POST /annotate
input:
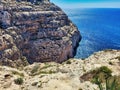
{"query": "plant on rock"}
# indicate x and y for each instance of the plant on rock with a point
(19, 81)
(103, 78)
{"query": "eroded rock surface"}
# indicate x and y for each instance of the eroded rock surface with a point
(10, 54)
(41, 32)
(65, 76)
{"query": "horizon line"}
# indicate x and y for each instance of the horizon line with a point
(89, 5)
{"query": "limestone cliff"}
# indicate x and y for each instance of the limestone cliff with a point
(41, 32)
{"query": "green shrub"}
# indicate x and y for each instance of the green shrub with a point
(102, 77)
(19, 81)
(105, 70)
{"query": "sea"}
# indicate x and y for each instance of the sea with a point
(99, 28)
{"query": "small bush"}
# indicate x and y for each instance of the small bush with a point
(105, 70)
(19, 81)
(68, 62)
(102, 77)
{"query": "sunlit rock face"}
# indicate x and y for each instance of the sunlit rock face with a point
(41, 32)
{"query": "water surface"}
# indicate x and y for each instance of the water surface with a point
(100, 29)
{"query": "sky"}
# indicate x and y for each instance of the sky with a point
(87, 3)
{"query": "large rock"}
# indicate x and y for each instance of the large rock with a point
(40, 32)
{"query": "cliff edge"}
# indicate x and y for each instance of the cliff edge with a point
(39, 31)
(70, 75)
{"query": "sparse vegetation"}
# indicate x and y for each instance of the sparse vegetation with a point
(103, 78)
(47, 72)
(35, 69)
(17, 73)
(46, 66)
(19, 81)
(24, 60)
(111, 83)
(84, 69)
(68, 62)
(105, 70)
(107, 50)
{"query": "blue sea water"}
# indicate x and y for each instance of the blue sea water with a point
(99, 27)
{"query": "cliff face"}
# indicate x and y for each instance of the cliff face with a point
(39, 32)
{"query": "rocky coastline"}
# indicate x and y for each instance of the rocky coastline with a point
(37, 45)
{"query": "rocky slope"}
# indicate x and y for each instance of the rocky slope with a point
(41, 32)
(54, 76)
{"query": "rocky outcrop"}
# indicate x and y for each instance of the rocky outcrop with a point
(41, 32)
(54, 76)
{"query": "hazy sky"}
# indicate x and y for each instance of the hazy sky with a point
(87, 3)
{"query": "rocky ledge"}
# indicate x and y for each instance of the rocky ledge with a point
(65, 76)
(38, 32)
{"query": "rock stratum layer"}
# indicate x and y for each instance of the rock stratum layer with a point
(41, 32)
